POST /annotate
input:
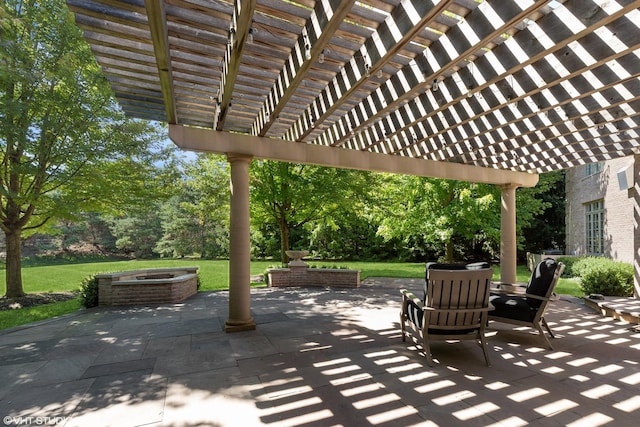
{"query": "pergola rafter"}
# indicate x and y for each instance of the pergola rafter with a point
(513, 107)
(238, 34)
(543, 75)
(402, 24)
(159, 36)
(543, 106)
(440, 125)
(423, 72)
(318, 30)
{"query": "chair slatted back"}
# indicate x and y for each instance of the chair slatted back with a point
(456, 296)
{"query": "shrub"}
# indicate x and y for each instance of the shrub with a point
(265, 277)
(569, 262)
(332, 267)
(604, 276)
(585, 264)
(89, 291)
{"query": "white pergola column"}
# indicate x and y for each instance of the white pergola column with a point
(508, 261)
(636, 225)
(239, 247)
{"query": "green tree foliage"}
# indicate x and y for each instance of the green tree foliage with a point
(351, 235)
(64, 146)
(456, 219)
(138, 232)
(294, 196)
(196, 219)
(431, 215)
(543, 224)
(87, 230)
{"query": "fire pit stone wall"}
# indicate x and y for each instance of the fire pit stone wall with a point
(148, 286)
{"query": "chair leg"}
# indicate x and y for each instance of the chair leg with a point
(402, 325)
(427, 349)
(546, 325)
(544, 337)
(484, 345)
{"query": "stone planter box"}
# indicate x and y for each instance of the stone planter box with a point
(304, 276)
(148, 286)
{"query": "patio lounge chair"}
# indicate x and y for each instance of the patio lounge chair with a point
(527, 309)
(455, 308)
(429, 266)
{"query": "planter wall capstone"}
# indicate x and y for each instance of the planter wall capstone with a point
(149, 286)
(304, 276)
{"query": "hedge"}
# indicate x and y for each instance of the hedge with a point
(599, 275)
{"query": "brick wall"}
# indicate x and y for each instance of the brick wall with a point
(617, 204)
(303, 276)
(125, 288)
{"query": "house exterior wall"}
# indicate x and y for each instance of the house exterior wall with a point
(618, 229)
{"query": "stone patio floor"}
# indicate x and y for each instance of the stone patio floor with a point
(319, 357)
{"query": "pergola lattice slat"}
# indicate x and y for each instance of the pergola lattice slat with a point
(543, 76)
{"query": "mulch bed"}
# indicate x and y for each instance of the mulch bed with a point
(32, 300)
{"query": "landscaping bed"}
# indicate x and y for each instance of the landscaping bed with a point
(35, 299)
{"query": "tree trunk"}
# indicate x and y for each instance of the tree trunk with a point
(284, 241)
(449, 251)
(14, 264)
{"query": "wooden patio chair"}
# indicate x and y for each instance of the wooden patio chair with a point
(528, 308)
(455, 308)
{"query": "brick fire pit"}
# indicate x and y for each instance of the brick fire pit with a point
(148, 286)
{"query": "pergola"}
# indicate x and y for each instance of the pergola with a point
(484, 91)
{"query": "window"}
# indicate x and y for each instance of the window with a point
(593, 168)
(595, 233)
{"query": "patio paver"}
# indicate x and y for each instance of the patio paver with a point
(318, 357)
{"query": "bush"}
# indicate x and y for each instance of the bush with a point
(569, 262)
(265, 277)
(582, 265)
(89, 292)
(604, 276)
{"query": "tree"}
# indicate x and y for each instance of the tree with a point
(351, 234)
(543, 227)
(64, 146)
(291, 195)
(196, 219)
(455, 218)
(137, 234)
(437, 212)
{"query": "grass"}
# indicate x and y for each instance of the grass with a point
(22, 316)
(214, 275)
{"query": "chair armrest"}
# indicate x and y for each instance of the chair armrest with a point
(406, 295)
(458, 310)
(553, 297)
(505, 288)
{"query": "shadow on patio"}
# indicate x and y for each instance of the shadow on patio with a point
(319, 357)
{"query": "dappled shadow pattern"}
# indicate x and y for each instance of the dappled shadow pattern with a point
(318, 357)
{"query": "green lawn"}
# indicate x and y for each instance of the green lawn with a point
(213, 276)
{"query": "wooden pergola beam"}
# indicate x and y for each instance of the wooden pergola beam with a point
(409, 23)
(210, 141)
(238, 34)
(160, 37)
(319, 29)
(421, 71)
